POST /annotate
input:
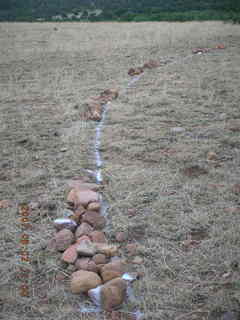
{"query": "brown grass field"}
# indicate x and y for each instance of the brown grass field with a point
(47, 71)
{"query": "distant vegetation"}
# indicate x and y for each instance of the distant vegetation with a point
(119, 10)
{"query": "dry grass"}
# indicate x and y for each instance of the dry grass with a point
(45, 75)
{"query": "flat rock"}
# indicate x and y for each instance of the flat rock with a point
(98, 236)
(113, 294)
(70, 254)
(82, 197)
(108, 250)
(86, 248)
(83, 229)
(82, 281)
(94, 219)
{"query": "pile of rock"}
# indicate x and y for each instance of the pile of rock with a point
(97, 268)
(151, 64)
(94, 106)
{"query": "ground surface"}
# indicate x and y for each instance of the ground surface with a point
(46, 73)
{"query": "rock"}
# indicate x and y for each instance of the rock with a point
(86, 248)
(52, 245)
(4, 204)
(135, 71)
(82, 281)
(64, 239)
(94, 206)
(112, 270)
(236, 188)
(112, 93)
(211, 156)
(108, 250)
(60, 276)
(113, 294)
(121, 236)
(99, 258)
(65, 223)
(137, 260)
(234, 210)
(83, 197)
(83, 185)
(151, 64)
(83, 229)
(98, 236)
(70, 254)
(94, 219)
(83, 238)
(86, 264)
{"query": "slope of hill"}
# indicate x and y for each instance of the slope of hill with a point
(126, 10)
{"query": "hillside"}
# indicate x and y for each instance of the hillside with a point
(126, 10)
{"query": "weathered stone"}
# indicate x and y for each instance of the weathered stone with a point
(98, 236)
(83, 229)
(99, 258)
(211, 156)
(108, 250)
(64, 239)
(83, 197)
(86, 264)
(113, 294)
(86, 248)
(137, 260)
(70, 254)
(94, 219)
(94, 206)
(83, 238)
(82, 281)
(112, 270)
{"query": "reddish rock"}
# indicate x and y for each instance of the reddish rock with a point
(64, 239)
(132, 212)
(113, 294)
(112, 270)
(60, 276)
(94, 219)
(82, 281)
(77, 197)
(70, 254)
(99, 258)
(94, 206)
(83, 229)
(131, 249)
(121, 236)
(98, 236)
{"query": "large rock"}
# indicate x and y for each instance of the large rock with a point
(83, 197)
(70, 254)
(98, 236)
(113, 294)
(94, 219)
(112, 270)
(86, 264)
(64, 239)
(99, 258)
(86, 248)
(82, 281)
(83, 229)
